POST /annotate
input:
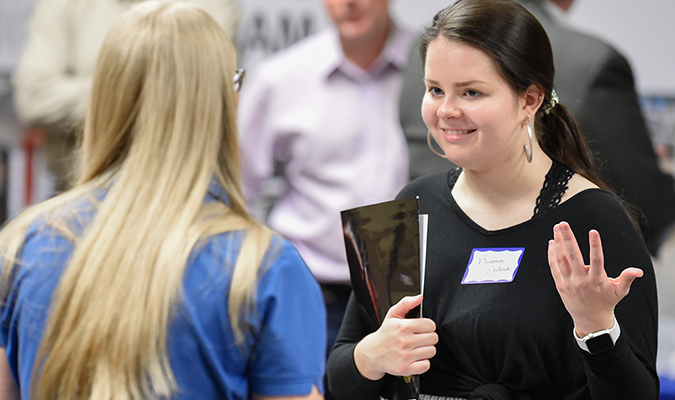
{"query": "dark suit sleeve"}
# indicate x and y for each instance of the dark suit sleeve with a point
(612, 121)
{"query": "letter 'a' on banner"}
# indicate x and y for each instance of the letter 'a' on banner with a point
(382, 242)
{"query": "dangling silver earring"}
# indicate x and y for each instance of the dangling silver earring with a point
(432, 147)
(528, 149)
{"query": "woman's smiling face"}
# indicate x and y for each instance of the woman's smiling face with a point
(470, 109)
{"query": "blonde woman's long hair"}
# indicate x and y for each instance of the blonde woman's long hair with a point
(161, 125)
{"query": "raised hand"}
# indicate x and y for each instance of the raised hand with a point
(588, 293)
(400, 346)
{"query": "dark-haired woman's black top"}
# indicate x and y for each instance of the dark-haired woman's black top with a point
(514, 340)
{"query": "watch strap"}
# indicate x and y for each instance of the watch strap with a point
(596, 342)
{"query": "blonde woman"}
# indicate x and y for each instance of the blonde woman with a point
(149, 279)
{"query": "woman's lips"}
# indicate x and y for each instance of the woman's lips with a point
(458, 131)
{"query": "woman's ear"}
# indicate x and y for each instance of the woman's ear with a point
(533, 97)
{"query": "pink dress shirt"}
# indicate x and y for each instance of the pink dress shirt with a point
(336, 128)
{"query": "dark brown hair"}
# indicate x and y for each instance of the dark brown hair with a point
(521, 51)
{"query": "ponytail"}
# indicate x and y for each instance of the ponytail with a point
(561, 139)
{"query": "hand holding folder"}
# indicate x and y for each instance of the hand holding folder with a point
(400, 347)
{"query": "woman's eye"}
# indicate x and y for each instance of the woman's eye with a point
(472, 93)
(435, 91)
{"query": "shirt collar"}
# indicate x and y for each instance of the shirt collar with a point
(394, 53)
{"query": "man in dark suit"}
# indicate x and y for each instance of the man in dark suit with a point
(596, 82)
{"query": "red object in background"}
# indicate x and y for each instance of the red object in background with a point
(32, 138)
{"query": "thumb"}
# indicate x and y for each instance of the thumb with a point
(626, 278)
(400, 309)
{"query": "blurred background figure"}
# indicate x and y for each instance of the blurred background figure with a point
(322, 115)
(148, 279)
(53, 77)
(563, 5)
(596, 82)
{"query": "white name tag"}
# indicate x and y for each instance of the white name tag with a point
(493, 265)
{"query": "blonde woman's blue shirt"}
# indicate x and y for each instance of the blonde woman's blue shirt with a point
(283, 355)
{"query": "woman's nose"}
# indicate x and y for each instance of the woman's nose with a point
(448, 109)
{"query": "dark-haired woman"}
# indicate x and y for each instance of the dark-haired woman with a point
(515, 307)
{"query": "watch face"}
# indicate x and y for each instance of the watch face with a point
(599, 343)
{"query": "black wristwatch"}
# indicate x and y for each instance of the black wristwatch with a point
(597, 342)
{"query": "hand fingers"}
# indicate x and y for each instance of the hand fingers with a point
(421, 325)
(406, 330)
(560, 252)
(408, 341)
(424, 352)
(596, 256)
(552, 262)
(572, 256)
(419, 367)
(400, 309)
(424, 340)
(418, 362)
(415, 368)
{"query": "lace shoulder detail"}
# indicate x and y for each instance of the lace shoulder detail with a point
(555, 186)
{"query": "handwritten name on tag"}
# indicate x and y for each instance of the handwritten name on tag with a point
(493, 265)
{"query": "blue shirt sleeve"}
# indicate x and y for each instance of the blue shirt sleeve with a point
(289, 355)
(24, 312)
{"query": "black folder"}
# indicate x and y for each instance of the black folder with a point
(382, 242)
